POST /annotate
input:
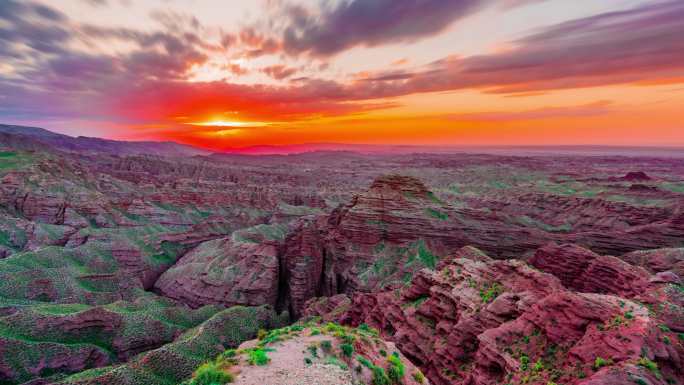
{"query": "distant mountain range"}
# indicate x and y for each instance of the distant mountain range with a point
(34, 138)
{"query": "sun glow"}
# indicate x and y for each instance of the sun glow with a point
(228, 123)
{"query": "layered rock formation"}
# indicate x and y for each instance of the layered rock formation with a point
(658, 261)
(382, 237)
(224, 272)
(398, 226)
(582, 270)
(481, 321)
(175, 362)
(43, 340)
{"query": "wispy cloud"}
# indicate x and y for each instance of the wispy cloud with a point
(600, 107)
(47, 73)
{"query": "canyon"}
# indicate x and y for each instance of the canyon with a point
(138, 266)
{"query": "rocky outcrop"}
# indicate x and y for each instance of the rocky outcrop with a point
(303, 266)
(660, 234)
(636, 176)
(565, 261)
(582, 270)
(322, 354)
(223, 272)
(485, 322)
(328, 308)
(568, 336)
(658, 260)
(382, 237)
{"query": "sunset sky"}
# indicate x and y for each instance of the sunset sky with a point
(226, 73)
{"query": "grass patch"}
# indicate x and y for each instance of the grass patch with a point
(437, 214)
(600, 362)
(425, 256)
(347, 349)
(489, 292)
(211, 373)
(396, 369)
(650, 365)
(62, 309)
(258, 357)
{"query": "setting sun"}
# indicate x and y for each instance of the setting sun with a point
(225, 123)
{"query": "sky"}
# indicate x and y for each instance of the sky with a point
(224, 74)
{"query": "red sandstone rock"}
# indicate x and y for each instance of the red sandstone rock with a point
(636, 176)
(396, 219)
(461, 328)
(223, 272)
(582, 270)
(659, 260)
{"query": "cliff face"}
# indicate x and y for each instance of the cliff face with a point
(381, 238)
(475, 320)
(223, 272)
(384, 235)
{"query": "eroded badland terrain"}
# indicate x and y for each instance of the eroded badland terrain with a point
(154, 264)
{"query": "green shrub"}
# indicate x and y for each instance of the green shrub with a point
(261, 334)
(437, 214)
(369, 330)
(379, 376)
(211, 373)
(326, 346)
(365, 362)
(600, 362)
(490, 291)
(313, 349)
(396, 369)
(258, 357)
(348, 339)
(650, 365)
(347, 349)
(332, 327)
(419, 377)
(334, 361)
(383, 353)
(307, 361)
(315, 331)
(524, 362)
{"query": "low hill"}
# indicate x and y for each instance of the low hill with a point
(34, 138)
